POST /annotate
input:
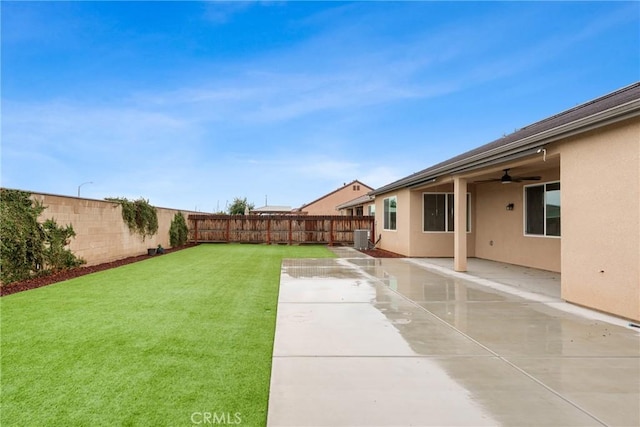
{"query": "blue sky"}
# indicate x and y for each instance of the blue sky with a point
(192, 104)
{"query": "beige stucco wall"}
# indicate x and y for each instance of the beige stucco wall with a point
(500, 233)
(394, 240)
(600, 174)
(101, 234)
(327, 205)
(435, 244)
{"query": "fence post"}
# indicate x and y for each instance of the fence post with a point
(228, 229)
(290, 231)
(331, 232)
(195, 231)
(268, 231)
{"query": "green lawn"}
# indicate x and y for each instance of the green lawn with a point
(152, 343)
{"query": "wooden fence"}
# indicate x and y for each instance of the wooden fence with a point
(277, 229)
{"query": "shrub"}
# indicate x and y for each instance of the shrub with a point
(28, 248)
(239, 206)
(21, 237)
(178, 231)
(56, 256)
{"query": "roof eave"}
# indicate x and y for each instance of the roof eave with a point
(355, 202)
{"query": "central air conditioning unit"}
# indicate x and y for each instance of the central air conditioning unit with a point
(361, 239)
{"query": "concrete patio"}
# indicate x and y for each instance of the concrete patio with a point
(408, 342)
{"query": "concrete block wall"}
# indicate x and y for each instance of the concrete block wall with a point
(101, 234)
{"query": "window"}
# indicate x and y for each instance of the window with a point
(390, 207)
(438, 211)
(542, 209)
(372, 210)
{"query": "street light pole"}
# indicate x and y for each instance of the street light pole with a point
(88, 182)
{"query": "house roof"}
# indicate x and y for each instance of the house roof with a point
(355, 181)
(615, 106)
(272, 209)
(356, 202)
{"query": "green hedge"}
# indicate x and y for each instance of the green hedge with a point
(27, 247)
(178, 231)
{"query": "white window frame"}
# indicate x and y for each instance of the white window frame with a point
(384, 213)
(544, 223)
(446, 217)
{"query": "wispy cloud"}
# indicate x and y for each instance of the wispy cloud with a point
(295, 118)
(426, 65)
(220, 12)
(76, 128)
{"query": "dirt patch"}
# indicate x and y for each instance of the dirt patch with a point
(38, 282)
(380, 253)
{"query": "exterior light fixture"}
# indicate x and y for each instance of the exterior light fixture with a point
(544, 153)
(510, 207)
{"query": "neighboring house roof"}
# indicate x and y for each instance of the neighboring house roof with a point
(271, 209)
(355, 181)
(619, 105)
(358, 201)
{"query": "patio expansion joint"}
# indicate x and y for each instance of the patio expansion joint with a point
(488, 302)
(577, 356)
(373, 356)
(325, 302)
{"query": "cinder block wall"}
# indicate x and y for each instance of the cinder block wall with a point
(101, 234)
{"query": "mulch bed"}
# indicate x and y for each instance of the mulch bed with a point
(60, 276)
(380, 253)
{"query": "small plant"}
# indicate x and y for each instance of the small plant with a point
(139, 215)
(178, 231)
(56, 256)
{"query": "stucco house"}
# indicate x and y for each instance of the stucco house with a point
(562, 194)
(326, 205)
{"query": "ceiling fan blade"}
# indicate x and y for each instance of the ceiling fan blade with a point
(506, 178)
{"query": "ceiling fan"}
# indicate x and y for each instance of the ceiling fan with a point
(508, 179)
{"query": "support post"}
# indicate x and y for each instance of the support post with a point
(460, 224)
(373, 230)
